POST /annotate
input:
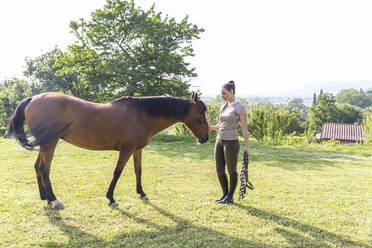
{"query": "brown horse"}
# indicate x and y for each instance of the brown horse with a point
(126, 125)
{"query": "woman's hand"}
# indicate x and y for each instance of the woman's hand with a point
(210, 126)
(213, 127)
(246, 149)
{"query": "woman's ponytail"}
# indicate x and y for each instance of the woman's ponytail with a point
(230, 86)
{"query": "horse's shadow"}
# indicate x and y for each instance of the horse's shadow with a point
(184, 233)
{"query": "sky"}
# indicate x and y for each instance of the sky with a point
(267, 47)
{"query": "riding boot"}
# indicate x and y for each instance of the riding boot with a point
(229, 199)
(224, 194)
(223, 182)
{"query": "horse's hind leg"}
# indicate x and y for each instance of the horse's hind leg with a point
(137, 160)
(40, 179)
(46, 157)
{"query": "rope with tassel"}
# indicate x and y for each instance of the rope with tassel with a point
(244, 182)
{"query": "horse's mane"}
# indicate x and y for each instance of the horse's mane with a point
(159, 106)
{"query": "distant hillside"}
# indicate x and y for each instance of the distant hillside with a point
(304, 92)
(330, 87)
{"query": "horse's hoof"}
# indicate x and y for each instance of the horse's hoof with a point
(114, 205)
(56, 204)
(144, 197)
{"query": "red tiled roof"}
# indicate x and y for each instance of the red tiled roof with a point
(340, 131)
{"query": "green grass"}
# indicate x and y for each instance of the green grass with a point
(305, 196)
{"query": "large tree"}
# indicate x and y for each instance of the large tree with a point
(42, 70)
(324, 111)
(354, 97)
(298, 104)
(124, 50)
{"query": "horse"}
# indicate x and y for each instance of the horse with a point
(125, 125)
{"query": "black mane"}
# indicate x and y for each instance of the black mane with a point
(159, 106)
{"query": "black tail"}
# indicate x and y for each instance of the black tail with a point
(16, 125)
(43, 134)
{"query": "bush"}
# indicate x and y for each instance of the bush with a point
(268, 121)
(180, 129)
(292, 139)
(367, 124)
(12, 92)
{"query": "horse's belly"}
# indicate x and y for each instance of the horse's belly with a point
(91, 143)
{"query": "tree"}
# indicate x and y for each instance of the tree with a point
(12, 92)
(42, 70)
(314, 99)
(268, 121)
(367, 123)
(349, 114)
(324, 111)
(354, 97)
(297, 103)
(124, 50)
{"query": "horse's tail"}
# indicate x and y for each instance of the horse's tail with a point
(16, 125)
(43, 134)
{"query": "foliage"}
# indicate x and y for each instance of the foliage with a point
(298, 104)
(314, 99)
(349, 114)
(12, 92)
(269, 121)
(327, 110)
(257, 120)
(124, 50)
(324, 111)
(180, 129)
(42, 70)
(367, 125)
(354, 97)
(212, 116)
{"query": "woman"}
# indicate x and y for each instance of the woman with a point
(227, 144)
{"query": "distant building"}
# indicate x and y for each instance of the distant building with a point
(369, 90)
(346, 133)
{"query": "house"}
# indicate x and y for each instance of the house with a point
(369, 90)
(346, 133)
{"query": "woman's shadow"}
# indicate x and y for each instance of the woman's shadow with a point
(302, 235)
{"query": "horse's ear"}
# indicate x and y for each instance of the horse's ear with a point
(195, 97)
(193, 94)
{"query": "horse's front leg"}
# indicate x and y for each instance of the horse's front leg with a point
(124, 155)
(137, 160)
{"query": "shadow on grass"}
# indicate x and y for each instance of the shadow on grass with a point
(186, 234)
(183, 234)
(288, 158)
(302, 235)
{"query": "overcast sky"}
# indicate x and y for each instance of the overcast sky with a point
(265, 46)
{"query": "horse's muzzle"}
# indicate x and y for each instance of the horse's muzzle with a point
(203, 138)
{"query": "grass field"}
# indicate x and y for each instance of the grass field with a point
(305, 196)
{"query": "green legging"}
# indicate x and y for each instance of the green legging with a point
(226, 153)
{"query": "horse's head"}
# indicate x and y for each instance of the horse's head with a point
(196, 120)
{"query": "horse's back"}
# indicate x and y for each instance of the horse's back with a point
(53, 106)
(90, 125)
